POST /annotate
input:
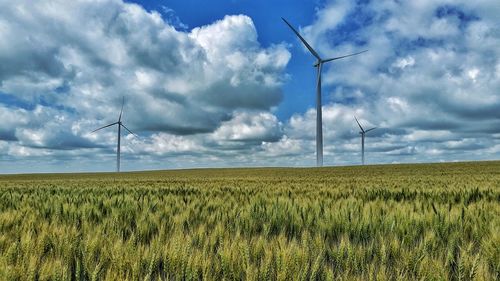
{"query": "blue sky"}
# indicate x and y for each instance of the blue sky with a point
(227, 83)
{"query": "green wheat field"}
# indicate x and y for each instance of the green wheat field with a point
(389, 222)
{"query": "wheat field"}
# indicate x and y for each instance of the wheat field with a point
(389, 222)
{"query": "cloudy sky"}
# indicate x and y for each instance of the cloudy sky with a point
(228, 84)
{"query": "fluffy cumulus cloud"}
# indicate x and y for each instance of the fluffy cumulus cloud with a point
(430, 80)
(67, 65)
(206, 96)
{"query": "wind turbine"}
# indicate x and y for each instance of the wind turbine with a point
(319, 119)
(120, 125)
(362, 133)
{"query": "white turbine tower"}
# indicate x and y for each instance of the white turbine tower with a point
(120, 124)
(319, 119)
(362, 133)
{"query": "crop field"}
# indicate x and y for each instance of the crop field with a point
(391, 222)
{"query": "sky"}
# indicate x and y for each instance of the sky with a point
(227, 84)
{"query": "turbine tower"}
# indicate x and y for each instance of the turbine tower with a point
(319, 119)
(362, 133)
(120, 125)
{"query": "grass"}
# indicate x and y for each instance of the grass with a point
(391, 222)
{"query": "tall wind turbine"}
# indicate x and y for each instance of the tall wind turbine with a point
(319, 119)
(362, 133)
(120, 125)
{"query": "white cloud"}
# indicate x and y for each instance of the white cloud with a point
(162, 144)
(430, 79)
(80, 58)
(250, 126)
(205, 97)
(96, 52)
(284, 147)
(404, 62)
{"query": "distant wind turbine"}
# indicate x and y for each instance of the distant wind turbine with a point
(319, 119)
(120, 124)
(362, 133)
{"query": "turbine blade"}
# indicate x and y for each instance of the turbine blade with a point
(337, 58)
(371, 129)
(129, 131)
(121, 111)
(104, 127)
(313, 52)
(359, 124)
